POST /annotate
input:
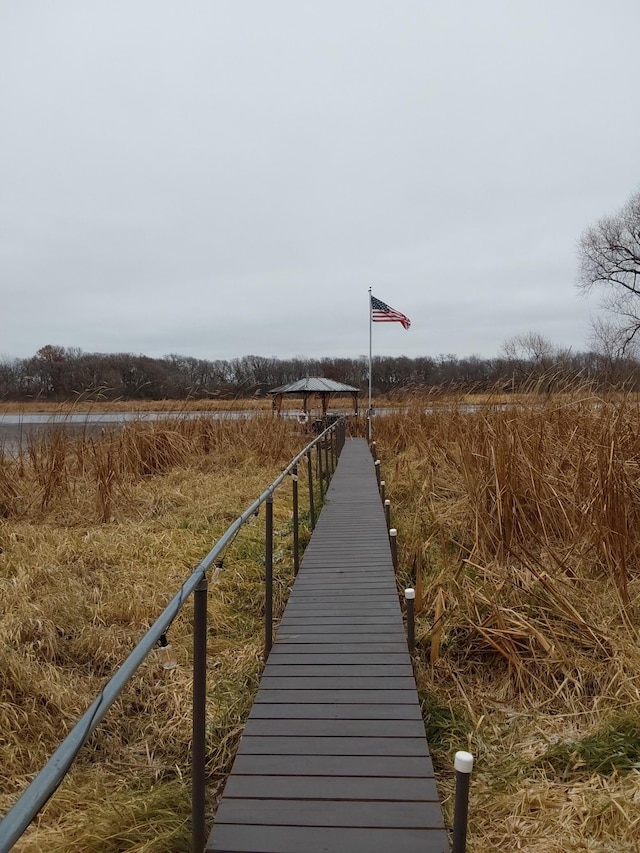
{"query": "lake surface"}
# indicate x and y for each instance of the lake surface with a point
(16, 430)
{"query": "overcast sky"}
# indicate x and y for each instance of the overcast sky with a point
(223, 177)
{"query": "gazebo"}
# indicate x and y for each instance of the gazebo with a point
(310, 387)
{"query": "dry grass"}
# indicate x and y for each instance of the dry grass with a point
(521, 528)
(518, 526)
(96, 537)
(82, 404)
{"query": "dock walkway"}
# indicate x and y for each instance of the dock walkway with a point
(334, 758)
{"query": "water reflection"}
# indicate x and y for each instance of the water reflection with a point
(17, 430)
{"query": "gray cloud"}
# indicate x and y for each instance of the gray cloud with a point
(218, 178)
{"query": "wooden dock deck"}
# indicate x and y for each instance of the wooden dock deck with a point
(334, 758)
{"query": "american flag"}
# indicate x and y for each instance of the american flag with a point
(383, 313)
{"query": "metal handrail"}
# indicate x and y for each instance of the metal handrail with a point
(49, 778)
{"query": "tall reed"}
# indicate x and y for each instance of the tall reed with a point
(519, 524)
(97, 536)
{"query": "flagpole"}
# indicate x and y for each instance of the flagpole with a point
(369, 413)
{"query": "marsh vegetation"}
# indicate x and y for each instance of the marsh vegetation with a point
(519, 528)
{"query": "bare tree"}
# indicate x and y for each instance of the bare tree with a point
(531, 348)
(609, 254)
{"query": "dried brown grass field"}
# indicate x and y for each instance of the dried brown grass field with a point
(95, 538)
(520, 529)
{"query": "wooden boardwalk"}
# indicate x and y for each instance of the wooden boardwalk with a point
(334, 758)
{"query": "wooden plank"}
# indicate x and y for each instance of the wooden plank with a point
(362, 597)
(402, 766)
(345, 658)
(345, 568)
(334, 728)
(232, 838)
(342, 627)
(357, 669)
(347, 619)
(335, 711)
(416, 746)
(337, 682)
(350, 646)
(349, 696)
(347, 586)
(334, 788)
(333, 757)
(343, 608)
(287, 635)
(330, 813)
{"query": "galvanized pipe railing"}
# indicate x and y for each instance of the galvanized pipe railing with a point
(49, 778)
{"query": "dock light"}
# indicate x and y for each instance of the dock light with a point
(463, 765)
(167, 655)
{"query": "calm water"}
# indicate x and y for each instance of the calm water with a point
(16, 430)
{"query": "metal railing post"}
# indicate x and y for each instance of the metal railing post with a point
(409, 598)
(463, 764)
(198, 776)
(327, 468)
(312, 509)
(296, 542)
(320, 474)
(268, 578)
(393, 542)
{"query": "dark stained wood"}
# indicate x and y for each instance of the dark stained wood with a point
(332, 788)
(333, 757)
(327, 711)
(238, 838)
(371, 621)
(292, 658)
(330, 813)
(400, 766)
(337, 682)
(307, 670)
(379, 697)
(332, 745)
(353, 647)
(342, 609)
(335, 728)
(288, 635)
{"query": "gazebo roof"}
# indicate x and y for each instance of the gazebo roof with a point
(314, 385)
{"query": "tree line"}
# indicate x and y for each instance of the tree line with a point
(609, 258)
(57, 373)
